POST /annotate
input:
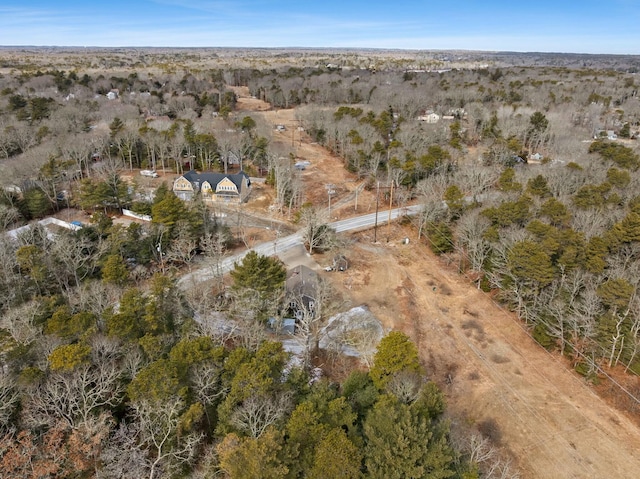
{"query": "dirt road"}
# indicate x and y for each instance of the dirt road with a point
(495, 377)
(324, 168)
(492, 372)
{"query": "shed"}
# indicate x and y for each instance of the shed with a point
(340, 263)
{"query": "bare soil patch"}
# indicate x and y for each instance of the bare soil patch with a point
(497, 380)
(245, 102)
(324, 169)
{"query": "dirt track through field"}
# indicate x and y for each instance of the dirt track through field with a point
(493, 374)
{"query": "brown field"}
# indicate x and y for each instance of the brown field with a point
(495, 377)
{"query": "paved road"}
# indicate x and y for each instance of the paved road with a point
(280, 245)
(369, 220)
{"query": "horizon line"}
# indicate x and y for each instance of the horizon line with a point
(381, 49)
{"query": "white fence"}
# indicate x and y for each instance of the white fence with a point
(136, 215)
(47, 221)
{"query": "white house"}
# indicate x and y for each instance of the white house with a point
(429, 118)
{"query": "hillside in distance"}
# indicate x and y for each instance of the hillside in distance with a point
(65, 57)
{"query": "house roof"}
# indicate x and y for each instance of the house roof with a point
(302, 280)
(214, 178)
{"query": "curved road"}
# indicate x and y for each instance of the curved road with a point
(285, 243)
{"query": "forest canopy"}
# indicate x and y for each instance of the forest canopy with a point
(527, 176)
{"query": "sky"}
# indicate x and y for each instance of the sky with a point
(603, 26)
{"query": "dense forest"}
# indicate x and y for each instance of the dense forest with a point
(528, 175)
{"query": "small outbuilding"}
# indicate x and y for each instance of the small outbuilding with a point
(340, 263)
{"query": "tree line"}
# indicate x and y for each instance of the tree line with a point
(106, 378)
(108, 373)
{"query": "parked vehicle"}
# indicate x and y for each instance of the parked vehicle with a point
(149, 173)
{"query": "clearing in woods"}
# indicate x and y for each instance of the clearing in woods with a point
(495, 377)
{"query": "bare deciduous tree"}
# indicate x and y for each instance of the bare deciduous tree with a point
(470, 230)
(214, 246)
(317, 234)
(8, 400)
(94, 296)
(8, 216)
(487, 457)
(283, 177)
(182, 249)
(158, 424)
(311, 305)
(259, 412)
(405, 385)
(207, 384)
(246, 310)
(77, 258)
(430, 193)
(21, 322)
(75, 396)
(123, 456)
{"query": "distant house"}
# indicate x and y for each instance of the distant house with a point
(608, 134)
(49, 225)
(13, 189)
(299, 305)
(457, 113)
(429, 117)
(213, 187)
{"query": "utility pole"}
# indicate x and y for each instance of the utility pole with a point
(390, 206)
(330, 191)
(356, 206)
(375, 226)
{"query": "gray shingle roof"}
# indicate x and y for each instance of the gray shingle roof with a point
(215, 178)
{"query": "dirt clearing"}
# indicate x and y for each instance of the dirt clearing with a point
(324, 172)
(492, 372)
(496, 378)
